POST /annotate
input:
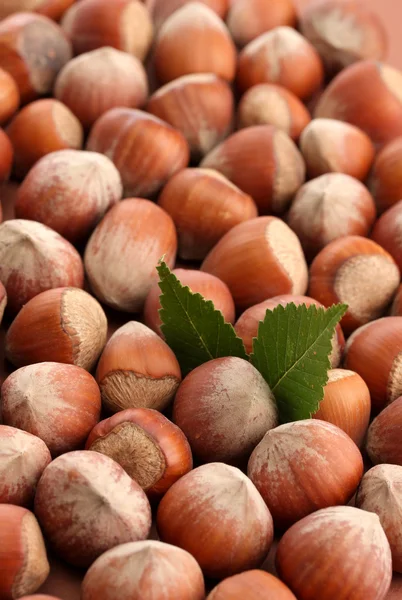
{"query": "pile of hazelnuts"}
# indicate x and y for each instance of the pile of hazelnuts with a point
(259, 151)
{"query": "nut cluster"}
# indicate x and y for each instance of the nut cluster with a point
(256, 148)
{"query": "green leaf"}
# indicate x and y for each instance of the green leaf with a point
(193, 328)
(292, 352)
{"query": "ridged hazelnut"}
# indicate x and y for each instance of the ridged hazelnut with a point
(209, 286)
(358, 272)
(270, 104)
(219, 397)
(346, 404)
(254, 585)
(137, 369)
(144, 571)
(40, 128)
(385, 182)
(347, 554)
(201, 106)
(384, 435)
(6, 157)
(59, 403)
(149, 447)
(284, 57)
(330, 146)
(69, 191)
(65, 325)
(33, 49)
(275, 168)
(34, 258)
(328, 208)
(194, 40)
(259, 259)
(50, 8)
(123, 24)
(374, 352)
(204, 205)
(380, 492)
(23, 458)
(23, 560)
(248, 19)
(162, 9)
(142, 233)
(216, 513)
(86, 504)
(94, 82)
(301, 467)
(247, 324)
(146, 150)
(344, 33)
(9, 96)
(387, 232)
(396, 307)
(352, 94)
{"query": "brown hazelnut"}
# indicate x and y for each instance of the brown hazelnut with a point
(253, 585)
(6, 158)
(384, 435)
(162, 9)
(385, 182)
(146, 150)
(42, 127)
(247, 19)
(9, 96)
(3, 301)
(396, 307)
(275, 168)
(69, 191)
(387, 232)
(50, 8)
(59, 403)
(66, 325)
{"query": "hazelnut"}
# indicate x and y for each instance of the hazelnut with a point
(384, 435)
(40, 597)
(215, 513)
(3, 300)
(23, 458)
(380, 493)
(149, 447)
(97, 81)
(59, 403)
(259, 259)
(6, 157)
(162, 9)
(123, 24)
(275, 168)
(194, 40)
(330, 146)
(66, 325)
(269, 104)
(343, 33)
(86, 504)
(342, 541)
(387, 232)
(254, 585)
(284, 57)
(247, 324)
(219, 397)
(374, 352)
(50, 8)
(209, 286)
(144, 571)
(33, 49)
(69, 191)
(396, 308)
(146, 150)
(9, 96)
(328, 208)
(385, 182)
(137, 369)
(201, 106)
(204, 205)
(40, 128)
(248, 19)
(34, 258)
(141, 232)
(346, 404)
(357, 272)
(352, 94)
(23, 561)
(301, 467)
